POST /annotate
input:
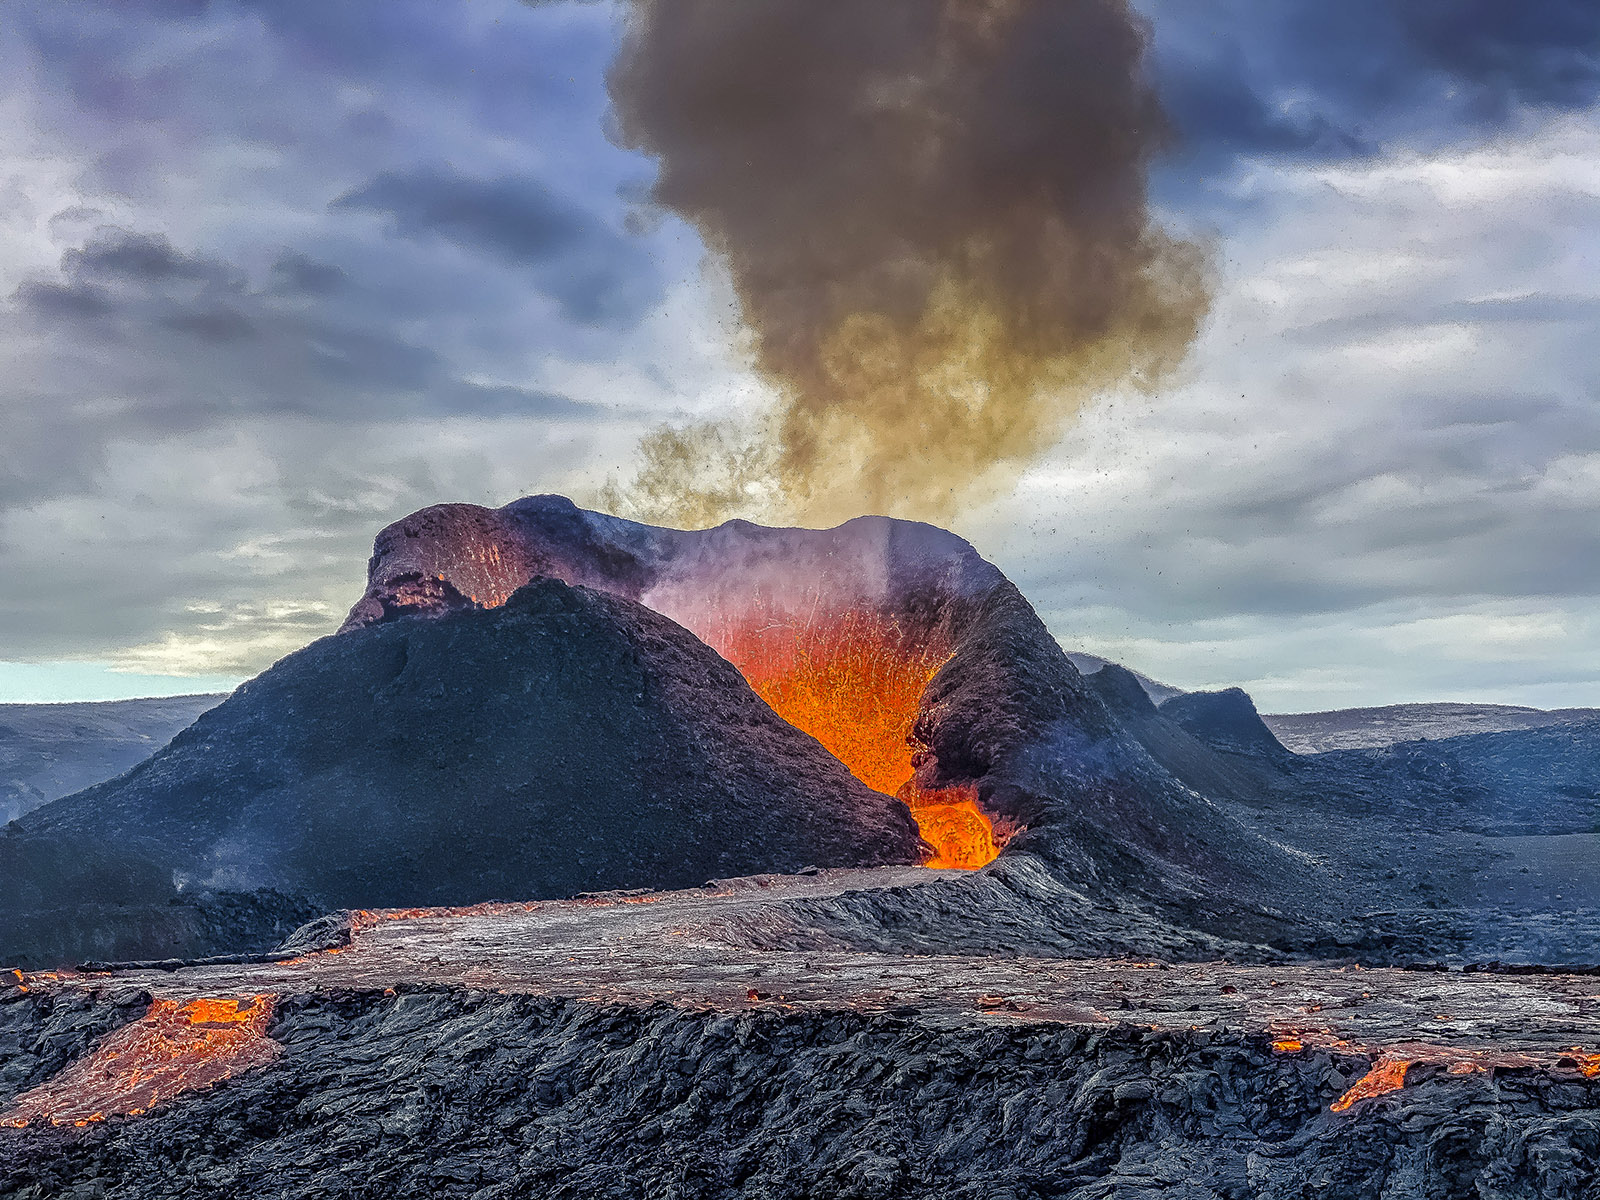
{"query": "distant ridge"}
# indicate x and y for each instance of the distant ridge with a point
(1370, 728)
(1158, 692)
(52, 750)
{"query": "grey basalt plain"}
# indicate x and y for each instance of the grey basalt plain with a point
(1371, 728)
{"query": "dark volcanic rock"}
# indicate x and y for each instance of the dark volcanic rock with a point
(450, 1093)
(1011, 715)
(568, 740)
(1225, 720)
(41, 1033)
(1122, 690)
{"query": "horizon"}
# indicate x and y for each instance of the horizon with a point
(273, 278)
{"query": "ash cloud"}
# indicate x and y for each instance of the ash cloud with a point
(935, 220)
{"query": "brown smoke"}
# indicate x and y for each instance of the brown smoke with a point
(934, 215)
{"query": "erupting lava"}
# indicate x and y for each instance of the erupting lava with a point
(176, 1047)
(854, 681)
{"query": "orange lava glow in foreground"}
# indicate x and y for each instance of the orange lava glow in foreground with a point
(854, 681)
(1387, 1075)
(175, 1047)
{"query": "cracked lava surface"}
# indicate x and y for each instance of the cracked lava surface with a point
(683, 948)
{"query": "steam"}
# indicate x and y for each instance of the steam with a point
(934, 216)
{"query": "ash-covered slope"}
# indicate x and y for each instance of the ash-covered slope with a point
(52, 750)
(1225, 720)
(568, 740)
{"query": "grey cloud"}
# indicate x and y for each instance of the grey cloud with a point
(223, 386)
(596, 273)
(77, 300)
(142, 340)
(212, 325)
(294, 273)
(1308, 78)
(486, 400)
(115, 253)
(1387, 320)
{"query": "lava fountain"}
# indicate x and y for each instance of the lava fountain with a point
(853, 679)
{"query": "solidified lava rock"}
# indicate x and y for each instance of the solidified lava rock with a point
(1225, 720)
(454, 1093)
(566, 740)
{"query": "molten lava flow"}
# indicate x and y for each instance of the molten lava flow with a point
(176, 1047)
(1387, 1075)
(1588, 1065)
(950, 821)
(854, 681)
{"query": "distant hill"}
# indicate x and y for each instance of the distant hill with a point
(1158, 692)
(1370, 728)
(52, 750)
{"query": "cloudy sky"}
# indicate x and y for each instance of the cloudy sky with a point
(274, 274)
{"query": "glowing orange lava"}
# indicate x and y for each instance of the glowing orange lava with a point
(1387, 1075)
(961, 833)
(1587, 1064)
(854, 681)
(176, 1047)
(1288, 1045)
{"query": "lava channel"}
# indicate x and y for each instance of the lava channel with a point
(176, 1047)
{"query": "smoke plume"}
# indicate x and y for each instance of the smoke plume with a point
(934, 216)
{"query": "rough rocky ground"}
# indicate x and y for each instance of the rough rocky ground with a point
(625, 1046)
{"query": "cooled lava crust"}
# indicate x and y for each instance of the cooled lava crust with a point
(632, 1045)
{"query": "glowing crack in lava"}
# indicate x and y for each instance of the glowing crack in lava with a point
(1387, 1075)
(854, 681)
(176, 1047)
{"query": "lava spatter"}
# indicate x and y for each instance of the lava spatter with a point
(1387, 1075)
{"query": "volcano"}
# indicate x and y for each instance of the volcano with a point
(536, 701)
(565, 740)
(935, 883)
(917, 664)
